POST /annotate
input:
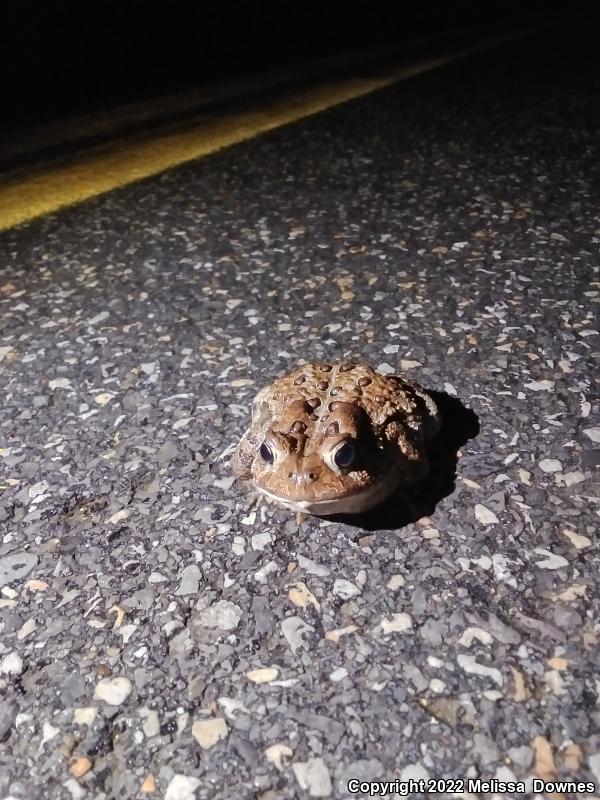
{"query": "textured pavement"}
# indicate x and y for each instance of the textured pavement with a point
(161, 634)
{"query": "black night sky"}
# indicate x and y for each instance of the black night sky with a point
(71, 57)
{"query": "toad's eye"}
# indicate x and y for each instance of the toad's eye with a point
(266, 453)
(345, 455)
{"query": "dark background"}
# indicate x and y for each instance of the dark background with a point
(67, 57)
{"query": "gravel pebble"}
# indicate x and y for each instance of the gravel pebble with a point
(592, 433)
(189, 580)
(397, 623)
(485, 515)
(182, 787)
(11, 664)
(346, 589)
(223, 615)
(207, 732)
(550, 465)
(16, 566)
(113, 691)
(313, 777)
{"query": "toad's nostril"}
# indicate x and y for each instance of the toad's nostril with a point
(312, 476)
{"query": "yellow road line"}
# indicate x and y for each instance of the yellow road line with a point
(92, 173)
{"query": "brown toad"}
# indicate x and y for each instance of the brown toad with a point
(336, 439)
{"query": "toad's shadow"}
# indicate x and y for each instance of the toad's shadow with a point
(459, 424)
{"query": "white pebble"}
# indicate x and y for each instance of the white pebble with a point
(11, 664)
(338, 674)
(578, 541)
(386, 369)
(113, 691)
(223, 615)
(103, 398)
(261, 540)
(98, 318)
(60, 383)
(472, 667)
(48, 732)
(294, 629)
(434, 661)
(396, 582)
(239, 545)
(84, 715)
(207, 732)
(276, 754)
(415, 772)
(484, 515)
(593, 434)
(540, 386)
(474, 633)
(262, 674)
(552, 561)
(397, 623)
(573, 478)
(190, 578)
(313, 777)
(312, 568)
(550, 465)
(74, 788)
(182, 787)
(149, 367)
(26, 629)
(261, 575)
(345, 589)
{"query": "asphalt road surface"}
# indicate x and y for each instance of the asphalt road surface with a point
(164, 636)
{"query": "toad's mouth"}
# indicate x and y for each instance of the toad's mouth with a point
(355, 502)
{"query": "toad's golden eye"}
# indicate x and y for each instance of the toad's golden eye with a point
(266, 453)
(345, 455)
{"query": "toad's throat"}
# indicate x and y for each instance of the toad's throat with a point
(350, 501)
